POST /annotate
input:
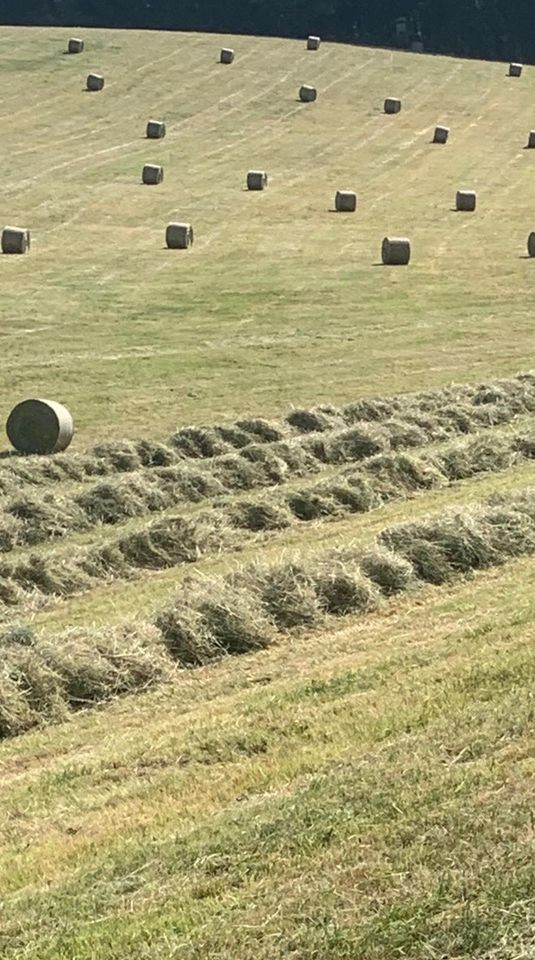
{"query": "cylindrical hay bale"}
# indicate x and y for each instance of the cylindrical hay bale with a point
(396, 251)
(179, 236)
(531, 244)
(15, 240)
(75, 45)
(531, 140)
(441, 134)
(515, 69)
(466, 200)
(313, 43)
(257, 180)
(95, 82)
(156, 129)
(392, 105)
(307, 94)
(152, 173)
(345, 201)
(226, 55)
(40, 426)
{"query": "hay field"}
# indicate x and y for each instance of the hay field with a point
(267, 627)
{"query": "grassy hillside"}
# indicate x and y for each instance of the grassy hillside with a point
(266, 681)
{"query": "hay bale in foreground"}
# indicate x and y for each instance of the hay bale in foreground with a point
(179, 236)
(75, 45)
(152, 173)
(531, 244)
(396, 251)
(345, 201)
(465, 200)
(95, 82)
(313, 43)
(40, 426)
(392, 105)
(156, 129)
(307, 94)
(515, 69)
(441, 134)
(15, 240)
(226, 55)
(257, 180)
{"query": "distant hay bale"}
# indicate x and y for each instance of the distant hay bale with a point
(345, 201)
(531, 139)
(15, 240)
(152, 173)
(307, 94)
(226, 55)
(313, 43)
(40, 426)
(95, 82)
(396, 251)
(531, 244)
(257, 179)
(179, 236)
(75, 45)
(441, 134)
(515, 69)
(156, 129)
(465, 200)
(392, 105)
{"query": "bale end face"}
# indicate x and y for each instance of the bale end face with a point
(313, 43)
(345, 201)
(441, 134)
(465, 200)
(396, 251)
(515, 69)
(95, 82)
(226, 55)
(156, 129)
(15, 240)
(75, 45)
(392, 105)
(257, 180)
(179, 236)
(307, 94)
(152, 174)
(531, 244)
(40, 426)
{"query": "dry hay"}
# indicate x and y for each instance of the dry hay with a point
(465, 200)
(156, 129)
(307, 94)
(392, 105)
(40, 426)
(94, 82)
(226, 55)
(15, 240)
(179, 236)
(257, 180)
(313, 43)
(441, 134)
(75, 45)
(152, 174)
(345, 201)
(396, 251)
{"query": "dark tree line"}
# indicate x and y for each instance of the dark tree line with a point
(491, 29)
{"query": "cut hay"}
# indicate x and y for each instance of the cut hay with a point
(226, 55)
(94, 82)
(313, 43)
(75, 45)
(341, 590)
(465, 200)
(307, 94)
(396, 251)
(179, 236)
(257, 180)
(152, 174)
(345, 201)
(40, 426)
(155, 130)
(15, 240)
(515, 69)
(441, 135)
(392, 105)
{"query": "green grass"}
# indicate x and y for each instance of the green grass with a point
(361, 791)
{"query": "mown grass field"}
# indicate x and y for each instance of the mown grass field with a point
(246, 711)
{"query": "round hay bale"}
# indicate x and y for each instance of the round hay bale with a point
(179, 236)
(95, 82)
(313, 43)
(531, 140)
(257, 180)
(345, 201)
(226, 55)
(531, 244)
(466, 200)
(396, 251)
(40, 426)
(152, 173)
(307, 94)
(441, 134)
(75, 45)
(15, 240)
(515, 69)
(156, 129)
(392, 105)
